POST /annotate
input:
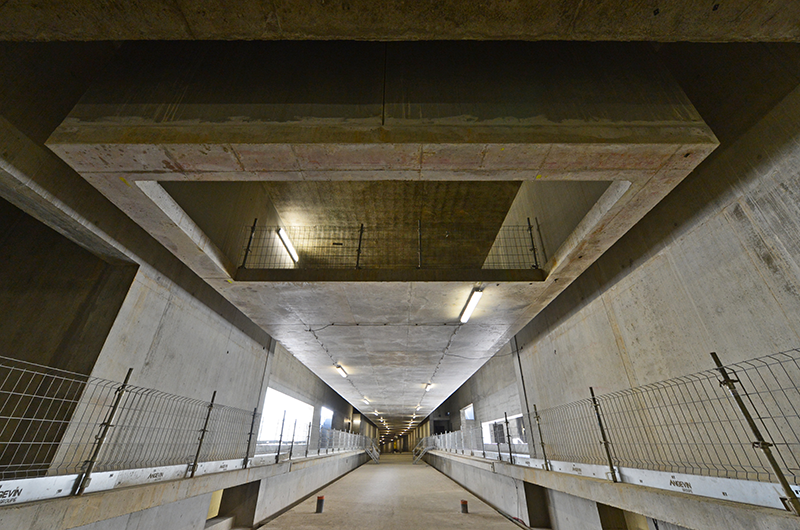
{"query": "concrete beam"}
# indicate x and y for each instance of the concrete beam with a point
(737, 20)
(72, 512)
(405, 111)
(681, 509)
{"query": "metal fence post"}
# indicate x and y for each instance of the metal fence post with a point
(249, 243)
(508, 439)
(541, 440)
(85, 478)
(250, 439)
(291, 446)
(280, 439)
(308, 439)
(791, 501)
(203, 434)
(605, 441)
(533, 245)
(358, 252)
(541, 239)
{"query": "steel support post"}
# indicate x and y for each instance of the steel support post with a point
(539, 231)
(541, 440)
(508, 439)
(86, 477)
(280, 439)
(791, 501)
(203, 432)
(308, 439)
(358, 253)
(249, 242)
(250, 439)
(605, 442)
(291, 445)
(533, 246)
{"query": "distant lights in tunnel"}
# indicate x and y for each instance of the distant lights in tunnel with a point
(287, 243)
(472, 303)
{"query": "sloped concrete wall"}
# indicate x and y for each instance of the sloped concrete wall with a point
(278, 492)
(504, 493)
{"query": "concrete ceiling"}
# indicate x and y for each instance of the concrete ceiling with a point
(688, 20)
(452, 143)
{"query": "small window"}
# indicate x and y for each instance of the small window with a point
(276, 404)
(469, 412)
(325, 418)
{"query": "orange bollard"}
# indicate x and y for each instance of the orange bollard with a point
(464, 507)
(320, 503)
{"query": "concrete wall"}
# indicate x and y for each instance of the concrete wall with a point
(568, 512)
(176, 344)
(280, 491)
(225, 210)
(558, 206)
(59, 301)
(492, 390)
(189, 514)
(175, 331)
(290, 376)
(504, 493)
(711, 268)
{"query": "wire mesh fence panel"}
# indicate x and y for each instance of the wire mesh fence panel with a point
(51, 420)
(692, 425)
(473, 439)
(228, 434)
(153, 428)
(682, 425)
(41, 421)
(571, 434)
(771, 385)
(513, 249)
(348, 247)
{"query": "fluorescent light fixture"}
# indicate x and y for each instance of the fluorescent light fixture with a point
(288, 244)
(375, 412)
(366, 401)
(428, 387)
(418, 407)
(472, 303)
(340, 370)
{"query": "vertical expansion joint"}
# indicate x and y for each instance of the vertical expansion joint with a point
(419, 243)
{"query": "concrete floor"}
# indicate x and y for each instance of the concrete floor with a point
(394, 494)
